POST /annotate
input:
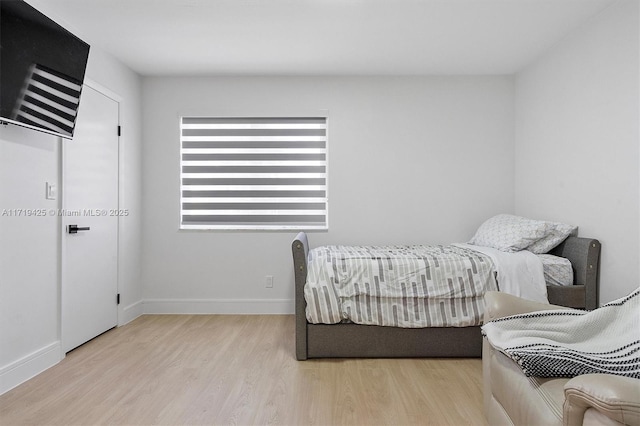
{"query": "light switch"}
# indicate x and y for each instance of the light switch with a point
(52, 191)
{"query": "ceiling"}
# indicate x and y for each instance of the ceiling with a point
(322, 37)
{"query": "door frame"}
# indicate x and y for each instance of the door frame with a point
(62, 178)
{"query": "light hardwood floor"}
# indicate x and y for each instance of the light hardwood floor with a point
(240, 370)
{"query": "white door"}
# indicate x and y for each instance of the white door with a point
(90, 202)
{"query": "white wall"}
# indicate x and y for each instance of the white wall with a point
(411, 159)
(577, 140)
(30, 246)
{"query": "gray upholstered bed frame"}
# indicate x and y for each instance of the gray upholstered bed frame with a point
(366, 341)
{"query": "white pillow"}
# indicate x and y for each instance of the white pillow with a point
(510, 233)
(558, 232)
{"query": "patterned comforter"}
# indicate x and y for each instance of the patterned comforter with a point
(400, 286)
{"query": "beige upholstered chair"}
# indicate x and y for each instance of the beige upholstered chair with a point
(511, 398)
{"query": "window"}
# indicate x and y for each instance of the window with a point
(253, 173)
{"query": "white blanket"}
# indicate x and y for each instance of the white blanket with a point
(520, 274)
(567, 343)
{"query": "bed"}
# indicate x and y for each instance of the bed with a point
(351, 340)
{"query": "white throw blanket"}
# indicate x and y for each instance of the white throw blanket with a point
(568, 343)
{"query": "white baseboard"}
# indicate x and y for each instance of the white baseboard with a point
(218, 306)
(31, 365)
(130, 312)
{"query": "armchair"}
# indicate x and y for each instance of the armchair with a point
(511, 398)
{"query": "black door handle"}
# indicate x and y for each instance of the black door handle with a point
(73, 229)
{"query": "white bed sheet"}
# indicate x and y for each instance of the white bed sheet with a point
(520, 274)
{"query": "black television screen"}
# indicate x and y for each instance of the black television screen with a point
(42, 68)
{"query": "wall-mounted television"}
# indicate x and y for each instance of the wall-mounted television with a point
(42, 67)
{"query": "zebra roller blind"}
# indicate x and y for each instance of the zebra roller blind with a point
(253, 173)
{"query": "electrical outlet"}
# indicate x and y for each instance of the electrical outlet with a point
(269, 281)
